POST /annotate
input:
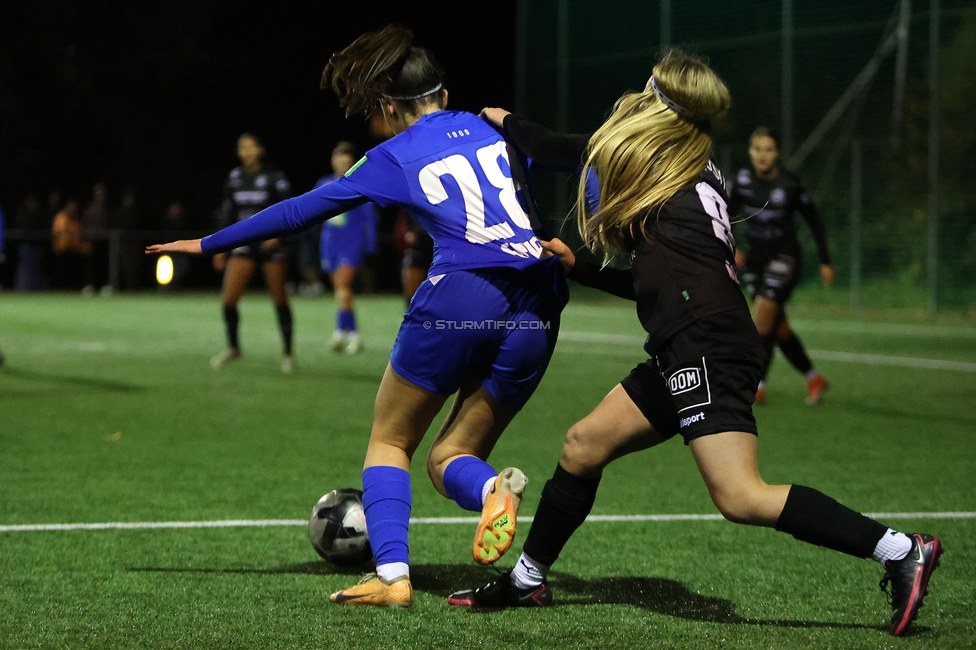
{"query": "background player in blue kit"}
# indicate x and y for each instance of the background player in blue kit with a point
(483, 325)
(345, 239)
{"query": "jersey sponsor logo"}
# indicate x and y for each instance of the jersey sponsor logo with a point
(744, 177)
(691, 419)
(778, 196)
(689, 387)
(356, 166)
(684, 380)
(250, 197)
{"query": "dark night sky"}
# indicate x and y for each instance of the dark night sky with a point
(152, 96)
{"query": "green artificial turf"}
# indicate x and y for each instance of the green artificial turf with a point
(109, 412)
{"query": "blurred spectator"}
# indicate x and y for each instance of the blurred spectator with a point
(176, 221)
(128, 219)
(53, 207)
(30, 257)
(95, 222)
(69, 247)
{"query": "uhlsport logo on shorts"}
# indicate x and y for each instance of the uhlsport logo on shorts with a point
(684, 380)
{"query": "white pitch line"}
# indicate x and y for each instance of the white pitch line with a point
(885, 360)
(888, 329)
(595, 337)
(270, 523)
(828, 355)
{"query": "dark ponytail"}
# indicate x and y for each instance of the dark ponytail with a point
(383, 64)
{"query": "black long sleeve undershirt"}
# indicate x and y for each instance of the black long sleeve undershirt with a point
(559, 150)
(812, 216)
(619, 282)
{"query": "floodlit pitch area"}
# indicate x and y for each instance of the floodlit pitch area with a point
(110, 414)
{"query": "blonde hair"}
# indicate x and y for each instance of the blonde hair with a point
(646, 151)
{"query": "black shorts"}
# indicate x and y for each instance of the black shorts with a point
(772, 276)
(255, 252)
(703, 380)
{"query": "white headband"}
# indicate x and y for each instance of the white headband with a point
(423, 94)
(673, 105)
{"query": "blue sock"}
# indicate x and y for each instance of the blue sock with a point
(346, 320)
(386, 500)
(464, 479)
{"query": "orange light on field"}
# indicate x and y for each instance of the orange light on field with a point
(164, 270)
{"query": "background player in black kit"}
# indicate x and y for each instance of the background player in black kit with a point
(767, 196)
(663, 202)
(250, 188)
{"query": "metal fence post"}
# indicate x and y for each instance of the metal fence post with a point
(787, 79)
(933, 252)
(114, 253)
(855, 223)
(665, 37)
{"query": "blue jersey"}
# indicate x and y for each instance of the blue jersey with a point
(450, 170)
(353, 231)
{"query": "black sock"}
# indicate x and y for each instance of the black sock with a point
(231, 320)
(768, 347)
(813, 517)
(286, 324)
(566, 501)
(793, 350)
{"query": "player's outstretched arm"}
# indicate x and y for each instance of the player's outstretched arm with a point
(618, 282)
(191, 246)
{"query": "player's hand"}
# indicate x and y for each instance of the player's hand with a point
(191, 246)
(220, 262)
(494, 115)
(827, 273)
(740, 260)
(565, 254)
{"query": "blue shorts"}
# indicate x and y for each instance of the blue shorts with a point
(333, 258)
(497, 324)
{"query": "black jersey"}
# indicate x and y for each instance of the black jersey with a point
(247, 193)
(682, 269)
(768, 206)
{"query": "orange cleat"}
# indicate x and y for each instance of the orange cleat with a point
(373, 590)
(496, 530)
(816, 389)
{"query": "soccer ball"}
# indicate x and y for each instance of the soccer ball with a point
(337, 528)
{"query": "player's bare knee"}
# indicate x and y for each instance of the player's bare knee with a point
(737, 505)
(436, 464)
(582, 453)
